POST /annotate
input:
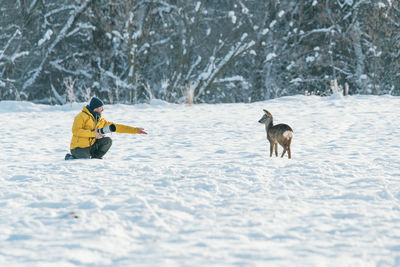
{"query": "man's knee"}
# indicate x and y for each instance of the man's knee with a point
(103, 144)
(107, 141)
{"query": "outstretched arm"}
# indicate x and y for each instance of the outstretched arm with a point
(120, 128)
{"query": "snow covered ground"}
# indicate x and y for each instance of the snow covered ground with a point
(201, 190)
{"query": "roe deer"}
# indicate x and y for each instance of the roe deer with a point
(280, 133)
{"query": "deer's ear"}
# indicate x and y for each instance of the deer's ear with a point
(267, 112)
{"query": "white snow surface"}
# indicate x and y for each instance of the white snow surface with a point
(201, 190)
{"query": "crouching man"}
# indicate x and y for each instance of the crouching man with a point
(88, 140)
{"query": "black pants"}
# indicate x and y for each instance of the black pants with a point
(97, 150)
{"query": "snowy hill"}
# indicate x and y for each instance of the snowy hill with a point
(201, 190)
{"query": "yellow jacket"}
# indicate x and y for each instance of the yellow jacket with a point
(84, 126)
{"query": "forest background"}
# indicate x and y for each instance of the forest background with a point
(190, 51)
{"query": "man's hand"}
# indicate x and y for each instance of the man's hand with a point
(141, 131)
(98, 135)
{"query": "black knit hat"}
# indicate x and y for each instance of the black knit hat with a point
(95, 103)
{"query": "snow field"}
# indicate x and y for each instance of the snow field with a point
(200, 189)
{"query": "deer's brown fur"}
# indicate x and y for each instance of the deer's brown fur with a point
(277, 134)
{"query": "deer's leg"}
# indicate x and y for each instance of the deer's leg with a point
(276, 149)
(289, 152)
(284, 151)
(271, 148)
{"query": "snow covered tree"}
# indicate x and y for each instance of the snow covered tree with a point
(130, 51)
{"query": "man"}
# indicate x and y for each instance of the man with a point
(88, 140)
